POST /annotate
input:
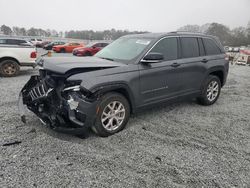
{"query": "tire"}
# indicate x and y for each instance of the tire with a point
(62, 50)
(106, 123)
(210, 91)
(9, 68)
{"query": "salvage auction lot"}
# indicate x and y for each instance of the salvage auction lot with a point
(177, 145)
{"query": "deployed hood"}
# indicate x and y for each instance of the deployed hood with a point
(64, 64)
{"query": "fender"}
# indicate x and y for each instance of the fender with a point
(215, 69)
(119, 87)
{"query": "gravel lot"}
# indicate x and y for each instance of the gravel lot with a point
(181, 145)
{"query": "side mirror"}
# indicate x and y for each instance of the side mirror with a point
(153, 58)
(93, 47)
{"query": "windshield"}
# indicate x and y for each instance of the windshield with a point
(124, 49)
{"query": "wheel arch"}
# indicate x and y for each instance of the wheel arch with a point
(120, 88)
(9, 58)
(220, 75)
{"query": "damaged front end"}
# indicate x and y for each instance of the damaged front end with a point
(64, 106)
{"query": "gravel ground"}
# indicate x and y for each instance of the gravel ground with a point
(181, 145)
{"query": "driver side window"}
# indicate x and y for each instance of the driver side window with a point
(168, 48)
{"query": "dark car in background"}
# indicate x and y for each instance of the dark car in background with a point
(90, 49)
(71, 94)
(42, 44)
(50, 45)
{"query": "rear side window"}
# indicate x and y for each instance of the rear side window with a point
(12, 41)
(15, 42)
(201, 46)
(168, 47)
(211, 47)
(190, 47)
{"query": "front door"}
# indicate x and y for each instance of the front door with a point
(160, 81)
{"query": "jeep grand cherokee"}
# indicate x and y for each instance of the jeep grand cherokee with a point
(135, 71)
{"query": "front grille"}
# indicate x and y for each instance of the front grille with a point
(38, 92)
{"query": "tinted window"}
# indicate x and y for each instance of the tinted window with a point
(12, 41)
(15, 41)
(97, 45)
(104, 44)
(201, 46)
(190, 47)
(168, 48)
(210, 47)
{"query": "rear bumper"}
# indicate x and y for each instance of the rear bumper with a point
(28, 64)
(72, 116)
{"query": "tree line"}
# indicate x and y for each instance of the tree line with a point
(239, 36)
(84, 34)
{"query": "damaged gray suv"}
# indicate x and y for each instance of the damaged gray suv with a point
(71, 94)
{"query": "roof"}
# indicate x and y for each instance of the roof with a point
(174, 33)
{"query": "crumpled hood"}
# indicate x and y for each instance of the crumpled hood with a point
(64, 64)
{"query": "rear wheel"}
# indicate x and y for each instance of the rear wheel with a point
(113, 114)
(9, 68)
(211, 91)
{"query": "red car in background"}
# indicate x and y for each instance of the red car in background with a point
(66, 48)
(90, 50)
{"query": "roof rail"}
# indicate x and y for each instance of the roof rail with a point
(186, 32)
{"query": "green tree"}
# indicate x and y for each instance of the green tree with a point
(6, 30)
(221, 31)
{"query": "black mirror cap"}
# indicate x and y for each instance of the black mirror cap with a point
(153, 57)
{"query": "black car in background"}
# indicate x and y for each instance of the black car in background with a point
(132, 73)
(50, 45)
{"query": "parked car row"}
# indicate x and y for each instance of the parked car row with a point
(89, 50)
(67, 48)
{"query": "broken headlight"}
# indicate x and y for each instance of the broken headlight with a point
(75, 88)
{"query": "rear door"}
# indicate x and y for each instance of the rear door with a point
(192, 65)
(159, 81)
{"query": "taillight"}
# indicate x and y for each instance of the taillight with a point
(33, 55)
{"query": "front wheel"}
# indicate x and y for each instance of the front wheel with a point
(62, 50)
(211, 91)
(113, 114)
(87, 54)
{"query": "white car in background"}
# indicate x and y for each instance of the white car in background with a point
(15, 53)
(36, 41)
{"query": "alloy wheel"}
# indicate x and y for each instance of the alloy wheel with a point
(212, 90)
(113, 116)
(9, 68)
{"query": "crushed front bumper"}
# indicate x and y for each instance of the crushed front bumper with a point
(72, 114)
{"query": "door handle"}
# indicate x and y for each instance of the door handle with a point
(175, 65)
(204, 60)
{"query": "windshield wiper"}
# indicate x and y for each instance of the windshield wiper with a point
(106, 58)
